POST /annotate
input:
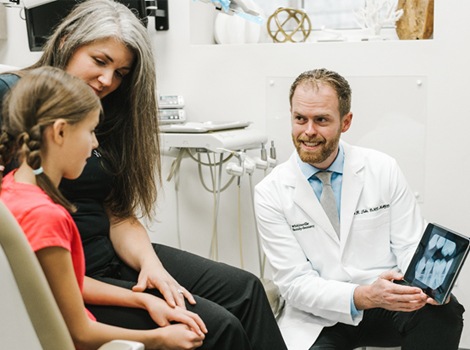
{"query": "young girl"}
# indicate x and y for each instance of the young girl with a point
(49, 123)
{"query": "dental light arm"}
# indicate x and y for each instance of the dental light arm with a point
(234, 6)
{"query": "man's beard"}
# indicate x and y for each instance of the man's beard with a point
(320, 155)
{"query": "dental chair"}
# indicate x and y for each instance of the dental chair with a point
(29, 316)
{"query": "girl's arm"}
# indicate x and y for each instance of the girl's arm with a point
(87, 334)
(99, 293)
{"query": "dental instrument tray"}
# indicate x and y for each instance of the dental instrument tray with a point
(203, 127)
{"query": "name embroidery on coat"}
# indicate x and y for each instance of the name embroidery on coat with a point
(371, 210)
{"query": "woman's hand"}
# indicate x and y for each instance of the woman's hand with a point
(132, 244)
(157, 277)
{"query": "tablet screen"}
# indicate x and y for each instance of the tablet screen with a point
(437, 261)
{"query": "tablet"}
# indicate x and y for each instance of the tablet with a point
(437, 261)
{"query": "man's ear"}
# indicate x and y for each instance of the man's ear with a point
(346, 122)
(58, 131)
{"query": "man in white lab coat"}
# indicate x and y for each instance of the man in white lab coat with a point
(337, 280)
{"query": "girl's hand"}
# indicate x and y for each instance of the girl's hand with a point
(176, 337)
(164, 315)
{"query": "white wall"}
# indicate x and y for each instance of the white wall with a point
(231, 82)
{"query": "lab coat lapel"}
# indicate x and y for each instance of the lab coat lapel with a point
(353, 183)
(308, 202)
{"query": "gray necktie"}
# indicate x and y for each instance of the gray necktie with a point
(327, 199)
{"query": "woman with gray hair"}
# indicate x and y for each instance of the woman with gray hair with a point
(105, 45)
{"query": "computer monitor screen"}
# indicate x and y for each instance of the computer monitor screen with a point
(42, 20)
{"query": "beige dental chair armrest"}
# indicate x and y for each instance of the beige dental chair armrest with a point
(122, 345)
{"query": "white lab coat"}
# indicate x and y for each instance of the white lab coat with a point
(315, 271)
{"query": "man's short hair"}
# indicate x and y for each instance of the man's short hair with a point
(333, 79)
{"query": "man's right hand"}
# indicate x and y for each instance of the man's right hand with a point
(385, 294)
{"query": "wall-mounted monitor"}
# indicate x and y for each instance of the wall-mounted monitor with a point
(42, 20)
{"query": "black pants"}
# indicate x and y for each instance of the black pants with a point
(430, 328)
(231, 302)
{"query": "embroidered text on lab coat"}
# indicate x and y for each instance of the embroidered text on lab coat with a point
(371, 210)
(302, 226)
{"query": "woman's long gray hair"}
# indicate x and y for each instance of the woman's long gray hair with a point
(129, 134)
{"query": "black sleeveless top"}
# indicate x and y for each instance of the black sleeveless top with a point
(88, 193)
(7, 81)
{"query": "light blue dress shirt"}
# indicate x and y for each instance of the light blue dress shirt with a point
(336, 183)
(336, 177)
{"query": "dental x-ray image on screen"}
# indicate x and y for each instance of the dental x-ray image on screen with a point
(437, 261)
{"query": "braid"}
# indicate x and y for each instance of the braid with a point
(6, 152)
(30, 144)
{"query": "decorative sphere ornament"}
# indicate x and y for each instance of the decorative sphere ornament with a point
(289, 24)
